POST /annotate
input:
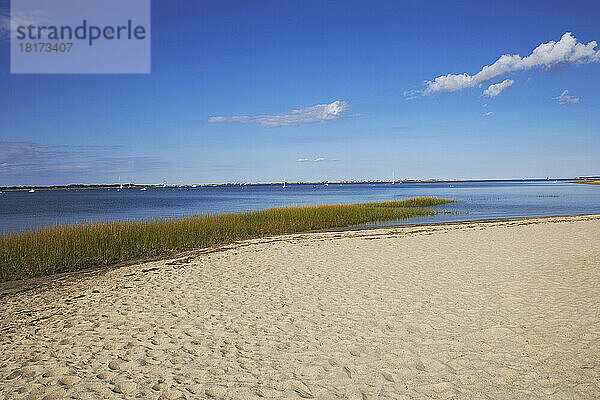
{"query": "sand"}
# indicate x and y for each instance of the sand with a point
(497, 310)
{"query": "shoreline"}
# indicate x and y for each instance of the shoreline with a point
(335, 182)
(63, 248)
(506, 309)
(20, 285)
(482, 221)
(590, 182)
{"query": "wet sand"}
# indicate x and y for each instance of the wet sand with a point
(498, 310)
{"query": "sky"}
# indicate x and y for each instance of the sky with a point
(264, 91)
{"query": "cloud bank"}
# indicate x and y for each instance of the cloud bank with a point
(495, 90)
(565, 98)
(22, 153)
(566, 52)
(316, 113)
(35, 162)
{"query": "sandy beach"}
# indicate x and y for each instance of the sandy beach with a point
(488, 310)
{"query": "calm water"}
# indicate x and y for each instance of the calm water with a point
(20, 210)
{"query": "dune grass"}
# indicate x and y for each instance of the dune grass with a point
(73, 247)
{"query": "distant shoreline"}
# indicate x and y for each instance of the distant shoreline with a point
(586, 182)
(400, 181)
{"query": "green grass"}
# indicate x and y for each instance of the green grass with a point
(413, 202)
(73, 247)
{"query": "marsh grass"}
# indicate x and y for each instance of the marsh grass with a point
(73, 247)
(413, 202)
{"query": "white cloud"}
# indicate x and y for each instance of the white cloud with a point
(496, 89)
(488, 114)
(567, 51)
(317, 113)
(565, 98)
(412, 94)
(317, 159)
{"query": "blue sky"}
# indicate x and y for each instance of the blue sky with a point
(261, 60)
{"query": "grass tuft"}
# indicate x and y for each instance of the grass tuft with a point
(64, 248)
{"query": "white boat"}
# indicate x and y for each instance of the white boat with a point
(120, 187)
(165, 184)
(194, 186)
(143, 189)
(31, 190)
(284, 185)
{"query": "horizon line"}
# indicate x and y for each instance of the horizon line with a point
(246, 183)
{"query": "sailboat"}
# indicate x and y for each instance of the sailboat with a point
(31, 190)
(143, 189)
(284, 186)
(393, 177)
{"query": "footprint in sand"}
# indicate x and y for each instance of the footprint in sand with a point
(124, 387)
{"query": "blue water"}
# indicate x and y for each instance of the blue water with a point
(20, 210)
